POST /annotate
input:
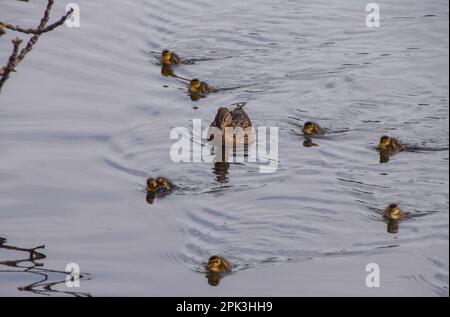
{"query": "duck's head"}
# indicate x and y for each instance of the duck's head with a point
(195, 84)
(308, 127)
(152, 184)
(223, 118)
(395, 211)
(214, 263)
(384, 141)
(166, 56)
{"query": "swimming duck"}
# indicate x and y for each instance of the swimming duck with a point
(218, 264)
(170, 58)
(199, 87)
(159, 184)
(389, 145)
(237, 120)
(311, 128)
(393, 212)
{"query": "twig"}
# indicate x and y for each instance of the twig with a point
(37, 31)
(12, 62)
(16, 56)
(35, 37)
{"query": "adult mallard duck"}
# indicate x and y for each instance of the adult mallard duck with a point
(312, 128)
(234, 126)
(218, 264)
(170, 58)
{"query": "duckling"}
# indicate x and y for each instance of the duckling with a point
(393, 212)
(2, 30)
(389, 145)
(235, 119)
(199, 87)
(218, 264)
(311, 128)
(160, 184)
(170, 58)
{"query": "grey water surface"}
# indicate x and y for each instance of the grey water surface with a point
(88, 115)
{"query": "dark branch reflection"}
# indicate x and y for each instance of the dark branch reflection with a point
(28, 263)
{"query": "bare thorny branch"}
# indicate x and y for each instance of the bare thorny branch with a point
(16, 55)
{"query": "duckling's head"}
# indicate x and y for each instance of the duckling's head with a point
(384, 141)
(166, 56)
(308, 127)
(152, 184)
(214, 263)
(394, 211)
(195, 84)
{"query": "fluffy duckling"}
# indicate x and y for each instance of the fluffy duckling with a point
(2, 30)
(237, 120)
(393, 212)
(170, 58)
(159, 184)
(311, 128)
(218, 264)
(389, 145)
(199, 87)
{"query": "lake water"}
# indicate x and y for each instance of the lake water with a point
(88, 115)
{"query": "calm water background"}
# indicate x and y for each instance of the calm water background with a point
(87, 119)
